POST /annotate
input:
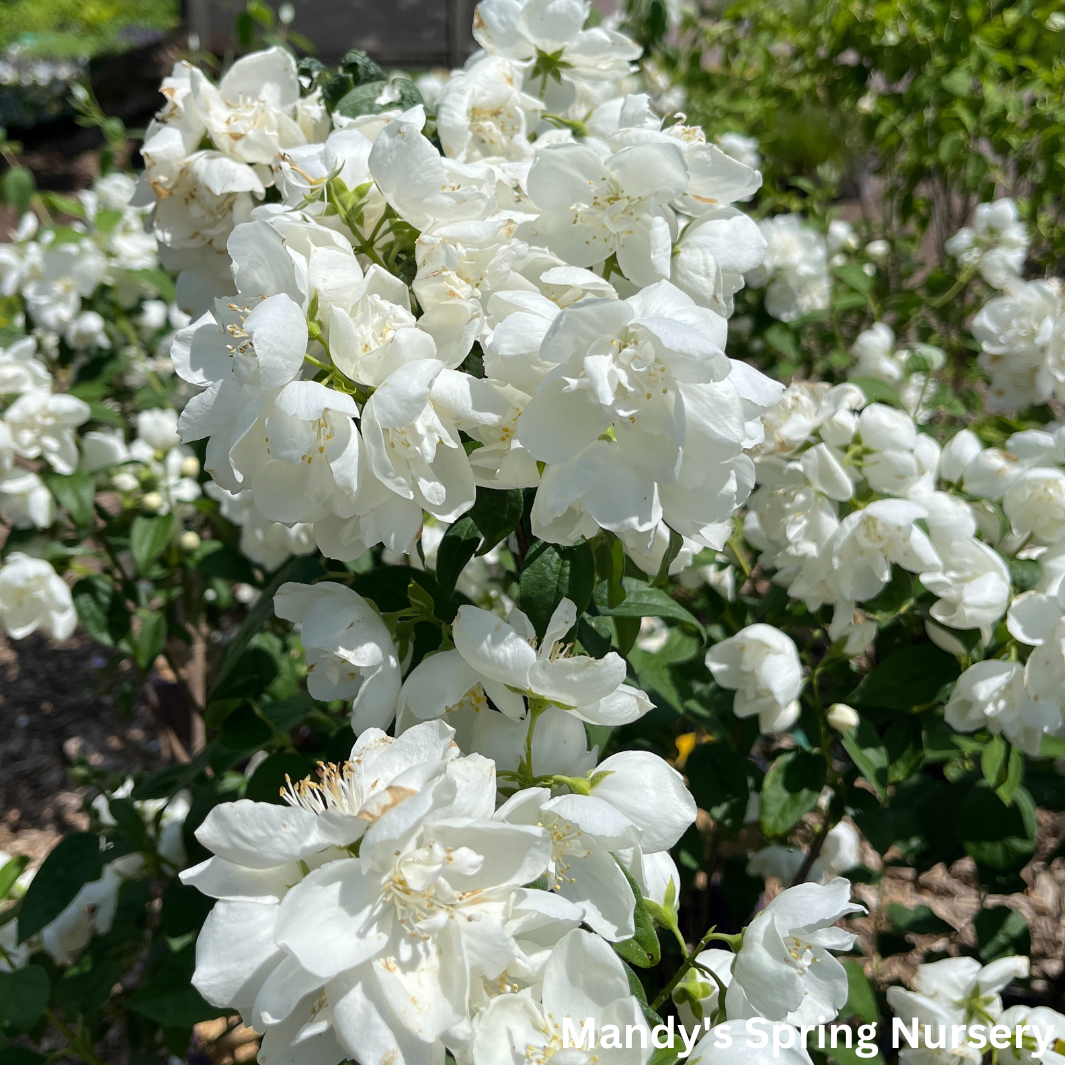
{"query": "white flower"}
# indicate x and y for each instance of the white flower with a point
(350, 654)
(505, 659)
(42, 425)
(992, 695)
(25, 501)
(950, 992)
(482, 112)
(742, 148)
(997, 244)
(1047, 1028)
(33, 596)
(21, 371)
(158, 428)
(592, 208)
(762, 665)
(101, 448)
(583, 980)
(842, 717)
(266, 543)
(569, 60)
(795, 268)
(1035, 504)
(784, 970)
(585, 833)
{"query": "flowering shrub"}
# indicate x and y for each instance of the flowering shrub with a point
(394, 419)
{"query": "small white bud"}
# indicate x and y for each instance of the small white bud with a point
(842, 717)
(152, 502)
(877, 249)
(285, 14)
(188, 541)
(190, 466)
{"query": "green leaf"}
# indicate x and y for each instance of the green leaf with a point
(17, 1055)
(920, 921)
(10, 871)
(160, 280)
(244, 729)
(870, 755)
(717, 777)
(249, 677)
(457, 547)
(73, 862)
(150, 639)
(1014, 775)
(643, 950)
(268, 780)
(496, 513)
(148, 538)
(642, 600)
(912, 676)
(1052, 747)
(877, 391)
(179, 1007)
(101, 610)
(24, 996)
(791, 789)
(855, 277)
(782, 339)
(301, 569)
(18, 186)
(994, 760)
(1001, 931)
(75, 494)
(552, 573)
(184, 909)
(861, 999)
(997, 836)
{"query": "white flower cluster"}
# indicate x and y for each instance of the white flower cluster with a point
(1021, 332)
(847, 491)
(794, 272)
(416, 899)
(586, 256)
(907, 369)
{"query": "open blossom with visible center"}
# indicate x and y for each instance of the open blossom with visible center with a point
(504, 660)
(643, 418)
(762, 665)
(376, 956)
(583, 980)
(33, 596)
(591, 208)
(350, 654)
(953, 991)
(785, 970)
(570, 62)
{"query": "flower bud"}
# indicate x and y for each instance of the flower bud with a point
(190, 466)
(188, 541)
(152, 502)
(842, 717)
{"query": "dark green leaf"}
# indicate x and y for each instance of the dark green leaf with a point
(643, 950)
(717, 777)
(18, 187)
(173, 1007)
(273, 773)
(642, 600)
(912, 676)
(184, 909)
(552, 573)
(496, 513)
(456, 549)
(150, 639)
(148, 538)
(23, 996)
(299, 569)
(791, 789)
(1001, 931)
(249, 677)
(920, 921)
(877, 391)
(861, 999)
(72, 863)
(101, 610)
(864, 745)
(244, 729)
(75, 494)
